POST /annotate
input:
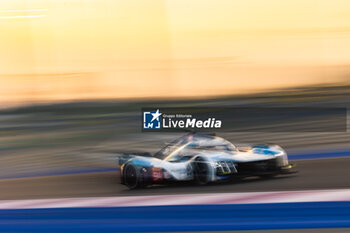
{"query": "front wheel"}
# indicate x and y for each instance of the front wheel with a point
(201, 171)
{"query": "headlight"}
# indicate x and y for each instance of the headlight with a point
(282, 159)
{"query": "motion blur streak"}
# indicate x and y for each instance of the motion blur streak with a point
(23, 10)
(188, 199)
(179, 218)
(22, 16)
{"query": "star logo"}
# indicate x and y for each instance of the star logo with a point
(156, 115)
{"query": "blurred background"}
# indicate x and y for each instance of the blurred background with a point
(74, 74)
(66, 50)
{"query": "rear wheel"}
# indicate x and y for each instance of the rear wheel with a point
(201, 171)
(130, 177)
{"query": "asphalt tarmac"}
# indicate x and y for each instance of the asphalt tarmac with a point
(312, 175)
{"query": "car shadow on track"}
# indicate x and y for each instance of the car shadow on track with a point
(227, 186)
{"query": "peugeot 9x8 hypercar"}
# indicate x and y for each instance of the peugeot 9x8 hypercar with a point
(202, 158)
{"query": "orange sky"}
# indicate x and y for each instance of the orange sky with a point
(75, 49)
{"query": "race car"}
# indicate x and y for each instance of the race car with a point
(202, 158)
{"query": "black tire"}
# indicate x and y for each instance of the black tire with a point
(131, 178)
(201, 171)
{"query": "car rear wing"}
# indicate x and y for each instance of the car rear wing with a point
(125, 156)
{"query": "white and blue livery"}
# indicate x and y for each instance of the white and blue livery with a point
(202, 158)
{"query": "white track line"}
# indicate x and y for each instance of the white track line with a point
(185, 199)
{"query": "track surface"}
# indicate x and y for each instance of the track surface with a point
(313, 174)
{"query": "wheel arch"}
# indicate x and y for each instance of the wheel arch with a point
(209, 162)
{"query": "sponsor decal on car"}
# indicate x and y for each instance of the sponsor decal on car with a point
(157, 174)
